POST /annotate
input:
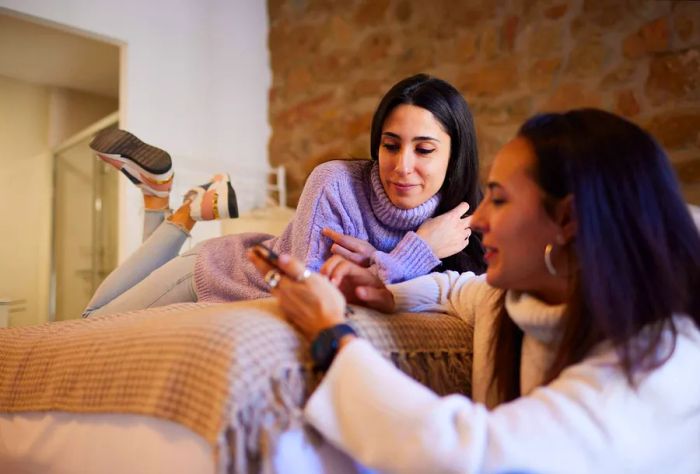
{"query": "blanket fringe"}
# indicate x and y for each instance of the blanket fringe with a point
(262, 413)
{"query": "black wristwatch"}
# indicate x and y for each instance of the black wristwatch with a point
(325, 346)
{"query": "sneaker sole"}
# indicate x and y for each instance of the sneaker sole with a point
(147, 184)
(136, 156)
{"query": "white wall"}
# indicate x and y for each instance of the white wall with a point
(25, 194)
(195, 79)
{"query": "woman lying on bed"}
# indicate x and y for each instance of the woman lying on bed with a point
(424, 164)
(586, 324)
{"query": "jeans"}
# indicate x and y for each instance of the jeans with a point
(154, 275)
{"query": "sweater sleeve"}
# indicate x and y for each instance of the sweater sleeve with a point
(450, 292)
(412, 257)
(321, 205)
(588, 420)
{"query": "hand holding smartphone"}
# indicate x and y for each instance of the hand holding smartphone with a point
(267, 254)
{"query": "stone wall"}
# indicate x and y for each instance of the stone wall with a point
(333, 60)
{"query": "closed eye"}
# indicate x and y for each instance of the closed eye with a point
(424, 151)
(495, 200)
(495, 188)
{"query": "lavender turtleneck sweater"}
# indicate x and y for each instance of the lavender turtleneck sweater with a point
(346, 196)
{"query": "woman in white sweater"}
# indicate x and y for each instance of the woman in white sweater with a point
(587, 323)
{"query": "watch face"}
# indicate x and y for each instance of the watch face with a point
(325, 346)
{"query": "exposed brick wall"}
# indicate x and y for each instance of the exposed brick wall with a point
(333, 60)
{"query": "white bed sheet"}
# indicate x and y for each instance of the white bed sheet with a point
(68, 443)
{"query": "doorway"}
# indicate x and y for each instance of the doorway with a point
(58, 87)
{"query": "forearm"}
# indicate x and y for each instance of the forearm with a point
(412, 257)
(388, 422)
(374, 412)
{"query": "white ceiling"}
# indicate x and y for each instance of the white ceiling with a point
(49, 56)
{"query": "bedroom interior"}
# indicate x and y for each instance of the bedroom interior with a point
(643, 65)
(264, 91)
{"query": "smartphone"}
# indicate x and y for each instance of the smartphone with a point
(266, 253)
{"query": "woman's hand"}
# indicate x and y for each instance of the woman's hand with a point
(312, 304)
(448, 233)
(351, 248)
(359, 285)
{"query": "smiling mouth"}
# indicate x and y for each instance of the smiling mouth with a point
(489, 252)
(404, 186)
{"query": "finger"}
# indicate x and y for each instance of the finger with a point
(330, 233)
(464, 240)
(377, 298)
(290, 291)
(260, 263)
(467, 221)
(290, 265)
(335, 274)
(340, 271)
(330, 264)
(339, 238)
(461, 209)
(347, 254)
(349, 242)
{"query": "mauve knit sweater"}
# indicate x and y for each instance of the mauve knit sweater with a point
(346, 196)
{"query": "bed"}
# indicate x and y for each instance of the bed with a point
(187, 388)
(191, 388)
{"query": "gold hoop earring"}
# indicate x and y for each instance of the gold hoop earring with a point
(548, 260)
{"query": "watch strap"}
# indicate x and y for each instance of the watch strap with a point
(325, 346)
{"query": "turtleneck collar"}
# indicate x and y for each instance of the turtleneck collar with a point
(392, 216)
(536, 318)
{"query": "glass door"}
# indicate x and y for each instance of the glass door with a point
(84, 226)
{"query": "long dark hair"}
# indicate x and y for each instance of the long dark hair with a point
(462, 179)
(636, 258)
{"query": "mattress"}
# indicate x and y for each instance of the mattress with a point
(63, 443)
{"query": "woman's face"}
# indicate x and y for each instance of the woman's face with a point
(413, 156)
(516, 228)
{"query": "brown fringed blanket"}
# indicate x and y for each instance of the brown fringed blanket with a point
(236, 374)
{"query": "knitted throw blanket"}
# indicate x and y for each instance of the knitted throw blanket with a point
(178, 363)
(235, 374)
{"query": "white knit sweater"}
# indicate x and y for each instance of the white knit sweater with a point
(587, 420)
